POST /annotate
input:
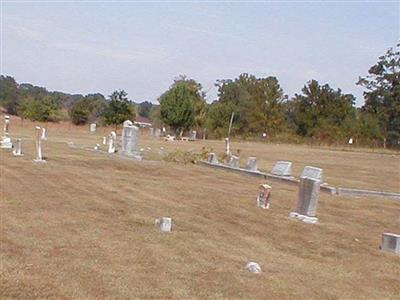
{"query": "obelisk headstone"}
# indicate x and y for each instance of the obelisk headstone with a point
(112, 138)
(39, 156)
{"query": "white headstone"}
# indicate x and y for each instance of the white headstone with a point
(234, 161)
(18, 149)
(263, 196)
(306, 207)
(111, 142)
(312, 172)
(6, 142)
(251, 164)
(39, 156)
(391, 242)
(104, 140)
(93, 127)
(157, 132)
(130, 136)
(350, 141)
(282, 168)
(164, 224)
(253, 267)
(212, 158)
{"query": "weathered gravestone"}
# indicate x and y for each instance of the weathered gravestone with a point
(253, 267)
(157, 132)
(18, 149)
(111, 142)
(306, 207)
(212, 158)
(233, 161)
(282, 168)
(130, 135)
(39, 156)
(312, 172)
(391, 242)
(193, 135)
(6, 140)
(92, 127)
(263, 196)
(251, 164)
(151, 131)
(227, 147)
(164, 224)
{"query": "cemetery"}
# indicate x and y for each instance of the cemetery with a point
(98, 213)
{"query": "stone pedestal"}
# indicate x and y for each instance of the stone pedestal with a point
(391, 243)
(164, 224)
(251, 164)
(306, 207)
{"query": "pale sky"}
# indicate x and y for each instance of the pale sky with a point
(139, 46)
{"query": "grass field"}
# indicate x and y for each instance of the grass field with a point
(82, 225)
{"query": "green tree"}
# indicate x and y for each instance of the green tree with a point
(322, 111)
(382, 97)
(144, 109)
(9, 96)
(178, 104)
(44, 109)
(118, 109)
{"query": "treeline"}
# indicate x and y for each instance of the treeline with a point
(259, 107)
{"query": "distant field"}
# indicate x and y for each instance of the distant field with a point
(82, 225)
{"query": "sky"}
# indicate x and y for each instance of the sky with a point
(101, 46)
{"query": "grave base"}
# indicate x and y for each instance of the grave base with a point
(41, 161)
(16, 154)
(303, 218)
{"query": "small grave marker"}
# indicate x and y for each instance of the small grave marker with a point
(391, 242)
(164, 224)
(282, 168)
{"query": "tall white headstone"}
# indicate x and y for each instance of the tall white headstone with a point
(18, 149)
(39, 156)
(130, 136)
(112, 138)
(6, 140)
(227, 147)
(306, 207)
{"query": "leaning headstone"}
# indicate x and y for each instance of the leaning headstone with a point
(263, 196)
(306, 207)
(253, 267)
(39, 156)
(111, 142)
(44, 133)
(130, 136)
(312, 172)
(282, 168)
(164, 224)
(390, 242)
(93, 127)
(18, 149)
(251, 164)
(6, 142)
(212, 158)
(234, 161)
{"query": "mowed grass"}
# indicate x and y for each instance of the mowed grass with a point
(82, 225)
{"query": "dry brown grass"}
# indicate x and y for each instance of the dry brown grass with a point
(82, 226)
